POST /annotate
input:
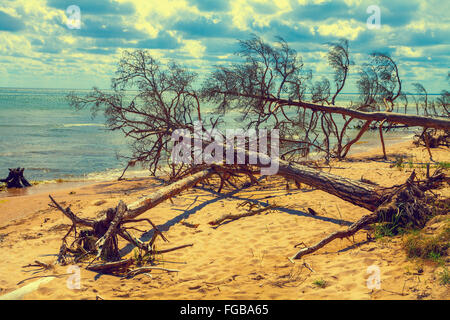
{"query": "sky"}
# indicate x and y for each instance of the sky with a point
(41, 46)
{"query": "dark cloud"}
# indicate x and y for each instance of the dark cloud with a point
(426, 38)
(290, 32)
(36, 42)
(104, 51)
(393, 13)
(95, 7)
(9, 23)
(218, 47)
(163, 41)
(321, 11)
(111, 43)
(49, 48)
(105, 27)
(211, 5)
(201, 27)
(399, 13)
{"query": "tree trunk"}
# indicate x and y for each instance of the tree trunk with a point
(164, 193)
(15, 179)
(391, 117)
(356, 192)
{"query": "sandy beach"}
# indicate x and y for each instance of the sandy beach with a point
(242, 259)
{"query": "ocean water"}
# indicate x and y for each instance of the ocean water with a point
(40, 132)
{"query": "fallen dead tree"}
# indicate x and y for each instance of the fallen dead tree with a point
(99, 238)
(405, 202)
(269, 86)
(348, 114)
(433, 138)
(410, 120)
(405, 207)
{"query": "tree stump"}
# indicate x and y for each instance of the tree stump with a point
(16, 179)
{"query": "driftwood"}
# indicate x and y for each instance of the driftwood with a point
(242, 215)
(111, 266)
(114, 223)
(109, 239)
(369, 196)
(135, 272)
(15, 179)
(433, 138)
(405, 206)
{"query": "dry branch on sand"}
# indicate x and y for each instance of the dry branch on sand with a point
(242, 215)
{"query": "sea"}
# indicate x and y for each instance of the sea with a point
(40, 132)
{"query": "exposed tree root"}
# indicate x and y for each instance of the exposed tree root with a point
(405, 207)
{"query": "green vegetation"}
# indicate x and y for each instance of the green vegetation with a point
(399, 163)
(320, 283)
(143, 258)
(402, 162)
(431, 247)
(443, 165)
(444, 277)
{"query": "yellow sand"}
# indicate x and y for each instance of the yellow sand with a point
(242, 259)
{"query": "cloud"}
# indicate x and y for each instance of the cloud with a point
(163, 41)
(211, 5)
(95, 7)
(202, 27)
(427, 37)
(399, 13)
(106, 27)
(321, 11)
(102, 51)
(35, 40)
(10, 23)
(291, 32)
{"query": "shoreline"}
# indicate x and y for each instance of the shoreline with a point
(46, 188)
(362, 146)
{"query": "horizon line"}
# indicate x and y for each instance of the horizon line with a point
(50, 88)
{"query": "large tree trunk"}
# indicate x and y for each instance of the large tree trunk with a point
(142, 205)
(357, 192)
(391, 117)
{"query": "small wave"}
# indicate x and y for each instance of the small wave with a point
(68, 125)
(42, 169)
(9, 154)
(113, 174)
